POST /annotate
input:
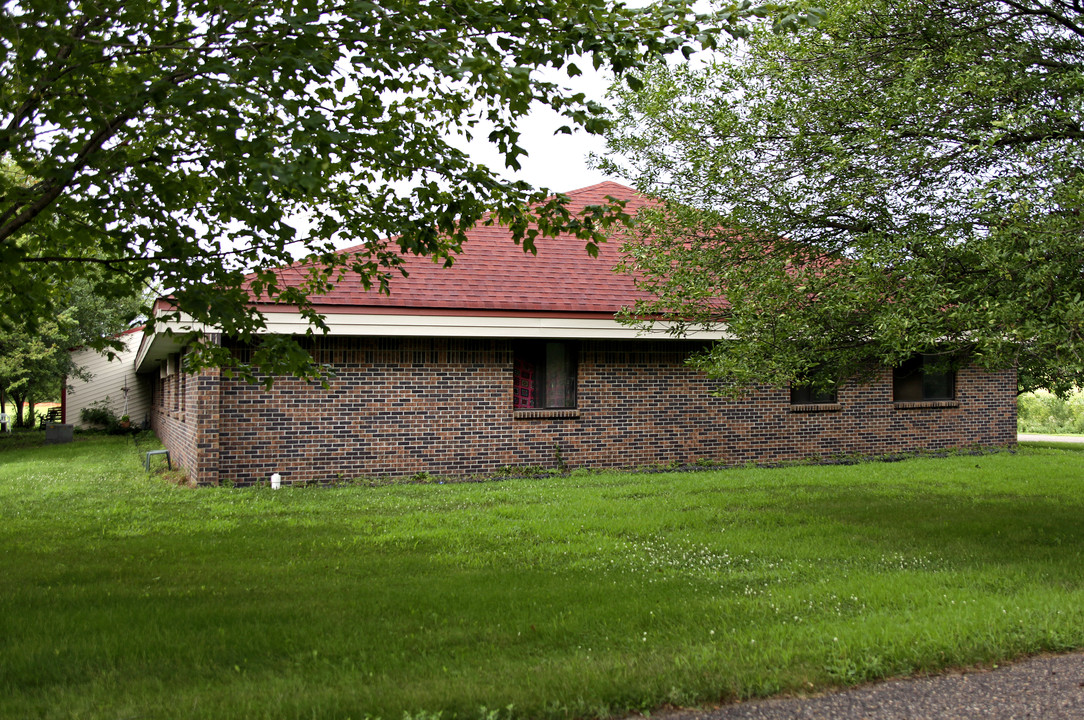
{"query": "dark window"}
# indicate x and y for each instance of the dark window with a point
(924, 377)
(176, 382)
(808, 395)
(545, 375)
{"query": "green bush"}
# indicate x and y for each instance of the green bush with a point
(101, 415)
(1043, 412)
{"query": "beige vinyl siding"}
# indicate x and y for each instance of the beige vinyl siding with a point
(108, 378)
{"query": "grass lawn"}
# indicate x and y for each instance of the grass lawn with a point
(122, 596)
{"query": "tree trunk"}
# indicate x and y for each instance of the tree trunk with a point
(18, 398)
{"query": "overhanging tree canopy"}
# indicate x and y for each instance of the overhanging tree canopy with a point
(177, 139)
(908, 177)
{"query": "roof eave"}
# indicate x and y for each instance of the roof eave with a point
(387, 322)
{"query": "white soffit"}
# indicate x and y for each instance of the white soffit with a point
(474, 326)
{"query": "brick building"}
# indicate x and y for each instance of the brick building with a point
(510, 359)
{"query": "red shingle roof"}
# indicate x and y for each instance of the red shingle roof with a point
(494, 274)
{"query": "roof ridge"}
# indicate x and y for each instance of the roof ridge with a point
(493, 273)
(298, 264)
(597, 185)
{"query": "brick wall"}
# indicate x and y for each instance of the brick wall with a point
(400, 406)
(184, 415)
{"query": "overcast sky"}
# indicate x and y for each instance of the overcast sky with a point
(558, 162)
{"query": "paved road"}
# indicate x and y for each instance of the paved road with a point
(1048, 687)
(1029, 437)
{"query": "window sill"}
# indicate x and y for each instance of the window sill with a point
(816, 408)
(927, 404)
(541, 414)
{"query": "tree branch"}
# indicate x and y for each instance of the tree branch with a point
(1046, 12)
(35, 95)
(52, 188)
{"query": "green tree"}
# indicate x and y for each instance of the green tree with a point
(907, 177)
(34, 353)
(22, 356)
(178, 140)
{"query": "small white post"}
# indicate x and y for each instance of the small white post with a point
(276, 481)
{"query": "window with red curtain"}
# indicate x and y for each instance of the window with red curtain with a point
(544, 375)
